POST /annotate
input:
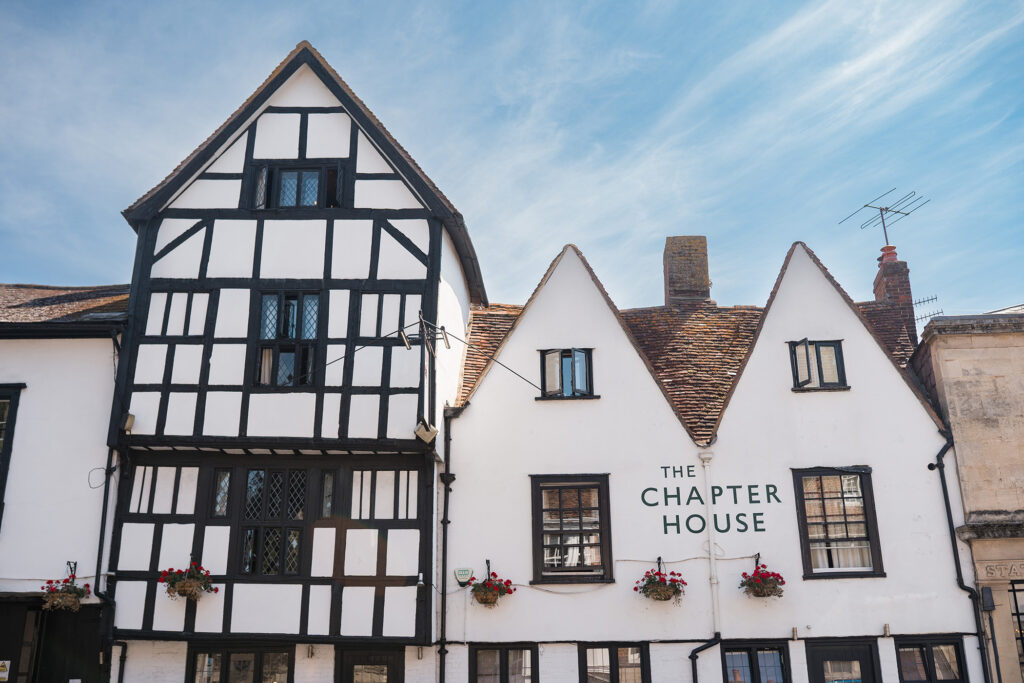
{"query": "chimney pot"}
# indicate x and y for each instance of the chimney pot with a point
(686, 269)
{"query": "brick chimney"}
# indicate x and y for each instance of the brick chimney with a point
(686, 269)
(892, 285)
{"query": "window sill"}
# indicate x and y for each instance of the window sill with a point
(844, 575)
(556, 580)
(566, 398)
(804, 390)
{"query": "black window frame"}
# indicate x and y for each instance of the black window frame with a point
(215, 490)
(613, 657)
(12, 394)
(805, 385)
(312, 347)
(283, 523)
(539, 482)
(870, 520)
(225, 650)
(928, 643)
(274, 169)
(560, 394)
(751, 648)
(504, 649)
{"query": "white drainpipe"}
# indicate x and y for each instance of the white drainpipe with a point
(705, 459)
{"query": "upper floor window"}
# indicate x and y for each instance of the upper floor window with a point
(571, 538)
(282, 187)
(566, 373)
(273, 516)
(817, 364)
(839, 534)
(9, 394)
(289, 324)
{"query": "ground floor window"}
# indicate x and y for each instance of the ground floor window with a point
(755, 663)
(242, 665)
(1017, 593)
(616, 663)
(842, 661)
(505, 664)
(930, 660)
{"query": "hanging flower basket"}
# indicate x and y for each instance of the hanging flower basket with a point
(657, 585)
(488, 591)
(188, 583)
(64, 595)
(762, 583)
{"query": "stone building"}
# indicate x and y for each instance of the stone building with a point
(974, 366)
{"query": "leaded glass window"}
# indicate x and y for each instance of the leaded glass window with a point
(253, 664)
(757, 664)
(298, 188)
(5, 407)
(221, 490)
(621, 664)
(275, 500)
(929, 661)
(289, 327)
(503, 665)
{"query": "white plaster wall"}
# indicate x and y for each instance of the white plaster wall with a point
(356, 610)
(316, 669)
(209, 194)
(281, 414)
(169, 229)
(265, 608)
(215, 549)
(182, 261)
(396, 262)
(223, 413)
(152, 661)
(350, 251)
(319, 610)
(327, 136)
(59, 438)
(369, 160)
(293, 249)
(453, 313)
(232, 313)
(277, 136)
(303, 89)
(232, 159)
(504, 435)
(231, 250)
(384, 194)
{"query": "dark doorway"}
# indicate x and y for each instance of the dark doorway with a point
(38, 646)
(850, 662)
(364, 666)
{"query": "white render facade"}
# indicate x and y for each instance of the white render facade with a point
(627, 437)
(294, 409)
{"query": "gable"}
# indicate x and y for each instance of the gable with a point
(569, 309)
(808, 303)
(305, 111)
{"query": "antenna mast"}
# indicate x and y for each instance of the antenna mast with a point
(901, 208)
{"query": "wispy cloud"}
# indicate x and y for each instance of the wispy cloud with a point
(548, 123)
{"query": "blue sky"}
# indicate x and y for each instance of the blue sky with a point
(610, 125)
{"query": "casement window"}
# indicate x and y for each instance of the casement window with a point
(839, 533)
(817, 364)
(506, 664)
(288, 329)
(571, 529)
(618, 663)
(219, 664)
(221, 493)
(285, 187)
(929, 660)
(754, 663)
(566, 373)
(9, 394)
(273, 521)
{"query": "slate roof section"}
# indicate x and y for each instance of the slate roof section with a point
(697, 349)
(25, 304)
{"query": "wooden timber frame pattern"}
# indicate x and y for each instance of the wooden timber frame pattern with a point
(317, 453)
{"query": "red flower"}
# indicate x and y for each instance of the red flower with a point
(494, 575)
(636, 588)
(216, 589)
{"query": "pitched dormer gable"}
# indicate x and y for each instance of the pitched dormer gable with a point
(807, 305)
(569, 309)
(304, 111)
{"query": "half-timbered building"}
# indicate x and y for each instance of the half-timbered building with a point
(706, 443)
(283, 379)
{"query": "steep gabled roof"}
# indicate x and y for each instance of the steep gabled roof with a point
(698, 349)
(491, 322)
(305, 54)
(901, 369)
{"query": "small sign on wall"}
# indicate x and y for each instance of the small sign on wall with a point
(463, 575)
(5, 669)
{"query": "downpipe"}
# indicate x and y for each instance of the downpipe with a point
(715, 640)
(108, 602)
(122, 659)
(705, 459)
(940, 465)
(447, 478)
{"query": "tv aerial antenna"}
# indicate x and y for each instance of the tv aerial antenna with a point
(901, 208)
